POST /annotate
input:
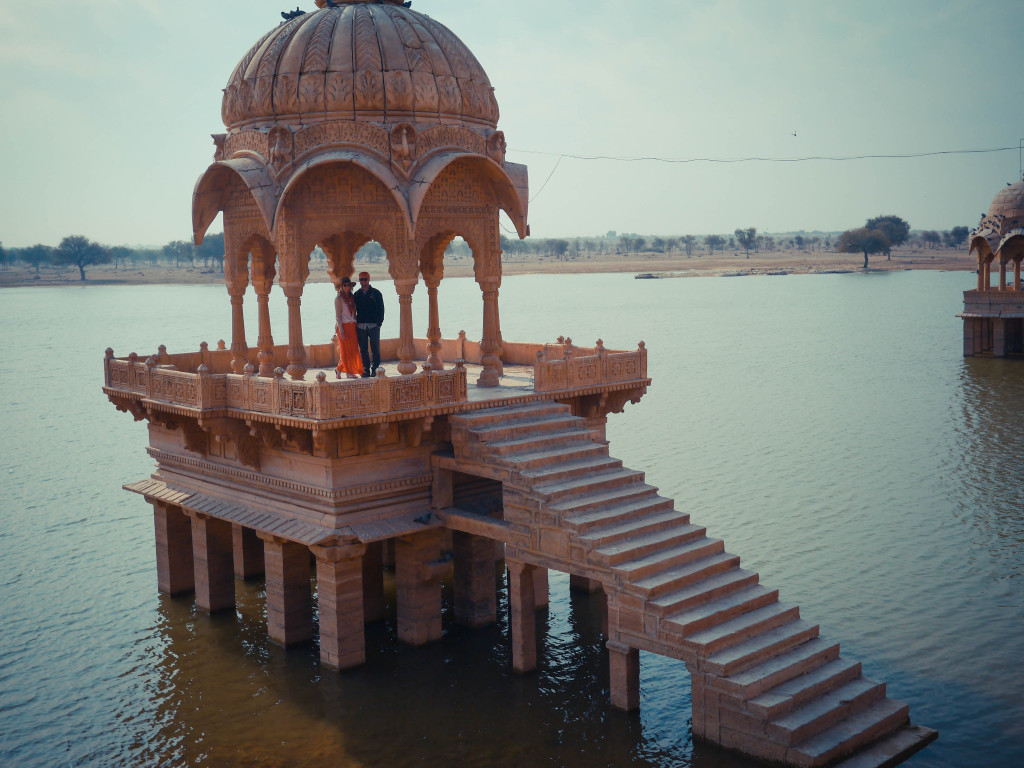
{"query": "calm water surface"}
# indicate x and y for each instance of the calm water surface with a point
(825, 426)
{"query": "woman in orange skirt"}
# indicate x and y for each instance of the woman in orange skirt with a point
(349, 361)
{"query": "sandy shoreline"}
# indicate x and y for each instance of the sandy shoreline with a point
(654, 264)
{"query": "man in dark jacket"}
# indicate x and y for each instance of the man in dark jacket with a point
(369, 318)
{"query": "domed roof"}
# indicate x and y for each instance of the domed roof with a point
(363, 61)
(1009, 203)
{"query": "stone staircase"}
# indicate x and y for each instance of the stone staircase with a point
(764, 682)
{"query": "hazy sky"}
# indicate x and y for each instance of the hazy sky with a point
(107, 107)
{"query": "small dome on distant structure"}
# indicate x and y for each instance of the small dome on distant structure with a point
(362, 60)
(1009, 203)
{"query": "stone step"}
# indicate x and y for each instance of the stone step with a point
(488, 416)
(744, 627)
(650, 544)
(546, 455)
(803, 659)
(881, 719)
(825, 711)
(893, 749)
(758, 649)
(558, 473)
(594, 483)
(702, 592)
(794, 693)
(707, 562)
(668, 561)
(565, 438)
(723, 609)
(617, 509)
(510, 429)
(655, 520)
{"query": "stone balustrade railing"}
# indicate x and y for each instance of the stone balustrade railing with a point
(564, 366)
(994, 295)
(318, 400)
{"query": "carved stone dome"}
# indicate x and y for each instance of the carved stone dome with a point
(361, 61)
(1009, 203)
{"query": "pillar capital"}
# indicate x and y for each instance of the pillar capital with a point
(405, 286)
(336, 553)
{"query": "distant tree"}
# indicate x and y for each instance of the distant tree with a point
(956, 237)
(3, 258)
(178, 250)
(769, 243)
(119, 254)
(688, 242)
(212, 249)
(658, 245)
(747, 238)
(36, 255)
(863, 240)
(799, 242)
(558, 248)
(81, 252)
(931, 238)
(625, 244)
(714, 241)
(895, 229)
(671, 244)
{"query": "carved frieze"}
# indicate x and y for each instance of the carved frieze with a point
(246, 141)
(450, 136)
(338, 132)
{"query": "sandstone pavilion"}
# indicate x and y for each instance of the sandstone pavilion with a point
(364, 121)
(994, 314)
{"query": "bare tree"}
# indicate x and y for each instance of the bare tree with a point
(81, 252)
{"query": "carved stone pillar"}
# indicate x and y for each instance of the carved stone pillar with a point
(522, 615)
(1002, 272)
(373, 582)
(1016, 274)
(213, 559)
(433, 330)
(418, 584)
(289, 597)
(476, 600)
(296, 349)
(981, 273)
(265, 342)
(541, 588)
(174, 570)
(239, 349)
(406, 347)
(248, 552)
(339, 576)
(489, 346)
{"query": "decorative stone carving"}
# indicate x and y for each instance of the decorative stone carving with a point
(280, 142)
(403, 146)
(496, 147)
(218, 142)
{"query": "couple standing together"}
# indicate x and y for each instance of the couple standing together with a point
(359, 316)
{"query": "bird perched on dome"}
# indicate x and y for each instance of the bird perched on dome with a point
(289, 15)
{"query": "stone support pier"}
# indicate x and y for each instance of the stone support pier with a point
(999, 337)
(174, 569)
(418, 572)
(213, 560)
(541, 588)
(289, 597)
(433, 329)
(522, 615)
(583, 584)
(624, 675)
(340, 589)
(248, 552)
(476, 600)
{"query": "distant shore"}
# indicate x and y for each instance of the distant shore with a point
(653, 264)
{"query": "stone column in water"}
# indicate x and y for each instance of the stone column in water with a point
(418, 582)
(248, 552)
(174, 569)
(339, 575)
(213, 559)
(373, 582)
(476, 599)
(522, 615)
(289, 598)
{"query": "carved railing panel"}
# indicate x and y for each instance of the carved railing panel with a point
(563, 366)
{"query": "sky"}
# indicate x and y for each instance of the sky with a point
(107, 106)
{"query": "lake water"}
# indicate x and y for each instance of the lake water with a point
(825, 426)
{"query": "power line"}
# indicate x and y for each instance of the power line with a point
(834, 158)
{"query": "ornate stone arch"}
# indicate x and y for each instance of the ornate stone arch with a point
(243, 185)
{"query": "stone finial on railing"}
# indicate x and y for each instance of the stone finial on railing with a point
(279, 373)
(381, 373)
(202, 370)
(560, 339)
(110, 353)
(321, 377)
(426, 367)
(641, 345)
(151, 361)
(133, 357)
(221, 345)
(600, 347)
(459, 362)
(249, 370)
